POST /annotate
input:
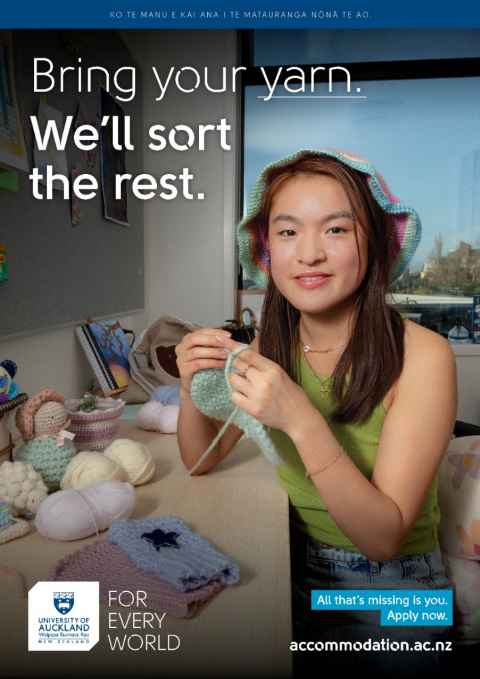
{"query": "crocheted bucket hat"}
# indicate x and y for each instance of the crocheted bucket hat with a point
(253, 249)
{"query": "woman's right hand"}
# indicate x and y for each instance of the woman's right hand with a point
(199, 350)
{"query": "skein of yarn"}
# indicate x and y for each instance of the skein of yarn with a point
(134, 458)
(89, 467)
(154, 416)
(75, 514)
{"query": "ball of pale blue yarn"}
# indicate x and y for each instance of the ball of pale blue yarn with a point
(47, 458)
(167, 394)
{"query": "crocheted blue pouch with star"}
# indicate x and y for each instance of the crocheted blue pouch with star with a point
(166, 547)
(211, 392)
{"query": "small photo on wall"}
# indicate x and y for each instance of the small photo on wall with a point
(112, 161)
(12, 142)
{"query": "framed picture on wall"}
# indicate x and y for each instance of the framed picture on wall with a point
(112, 161)
(12, 142)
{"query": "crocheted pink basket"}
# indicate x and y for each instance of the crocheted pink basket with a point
(94, 430)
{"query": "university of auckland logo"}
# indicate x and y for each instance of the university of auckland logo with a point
(63, 601)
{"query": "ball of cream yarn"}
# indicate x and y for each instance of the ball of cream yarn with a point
(90, 467)
(134, 458)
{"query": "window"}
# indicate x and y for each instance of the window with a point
(418, 123)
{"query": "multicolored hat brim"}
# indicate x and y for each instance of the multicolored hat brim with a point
(253, 250)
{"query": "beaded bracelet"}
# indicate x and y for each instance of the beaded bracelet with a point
(309, 475)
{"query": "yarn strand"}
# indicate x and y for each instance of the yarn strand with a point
(228, 371)
(217, 438)
(90, 509)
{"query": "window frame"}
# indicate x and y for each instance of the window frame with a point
(405, 69)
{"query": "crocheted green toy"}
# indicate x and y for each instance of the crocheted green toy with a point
(211, 392)
(48, 458)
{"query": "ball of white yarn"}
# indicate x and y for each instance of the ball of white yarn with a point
(154, 416)
(22, 487)
(75, 514)
(134, 458)
(89, 467)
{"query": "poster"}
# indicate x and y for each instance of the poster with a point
(179, 575)
(12, 144)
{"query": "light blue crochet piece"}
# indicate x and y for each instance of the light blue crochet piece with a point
(6, 518)
(165, 547)
(211, 392)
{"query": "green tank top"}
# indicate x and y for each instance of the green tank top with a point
(360, 442)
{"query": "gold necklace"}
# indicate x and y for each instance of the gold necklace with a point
(308, 349)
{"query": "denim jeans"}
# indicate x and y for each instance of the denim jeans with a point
(316, 565)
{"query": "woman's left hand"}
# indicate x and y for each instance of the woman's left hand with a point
(264, 390)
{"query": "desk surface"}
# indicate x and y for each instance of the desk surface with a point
(244, 631)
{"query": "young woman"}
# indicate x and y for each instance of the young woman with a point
(360, 403)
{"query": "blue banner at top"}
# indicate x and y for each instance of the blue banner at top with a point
(257, 14)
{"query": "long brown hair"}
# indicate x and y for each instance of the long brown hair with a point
(373, 357)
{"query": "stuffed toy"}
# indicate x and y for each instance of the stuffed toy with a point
(8, 388)
(459, 530)
(42, 422)
(42, 415)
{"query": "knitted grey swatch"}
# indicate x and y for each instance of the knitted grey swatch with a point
(166, 547)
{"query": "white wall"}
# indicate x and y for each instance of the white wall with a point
(189, 244)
